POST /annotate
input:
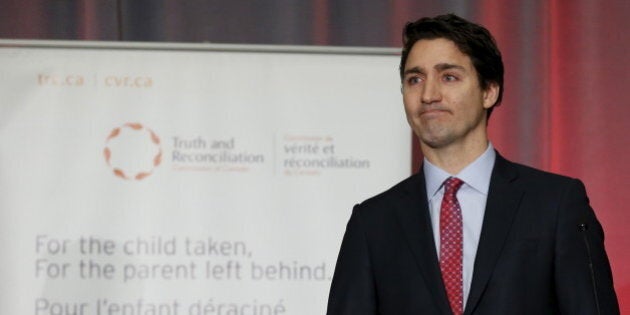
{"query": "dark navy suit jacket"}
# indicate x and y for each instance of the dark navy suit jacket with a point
(532, 257)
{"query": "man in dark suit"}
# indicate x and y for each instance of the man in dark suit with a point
(471, 233)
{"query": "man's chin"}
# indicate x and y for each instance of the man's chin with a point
(436, 142)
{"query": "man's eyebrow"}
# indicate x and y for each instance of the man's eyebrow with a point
(439, 67)
(414, 70)
(448, 66)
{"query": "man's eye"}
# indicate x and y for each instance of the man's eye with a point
(413, 80)
(450, 78)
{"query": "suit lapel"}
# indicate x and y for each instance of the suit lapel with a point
(504, 196)
(414, 218)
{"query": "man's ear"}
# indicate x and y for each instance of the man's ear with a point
(490, 95)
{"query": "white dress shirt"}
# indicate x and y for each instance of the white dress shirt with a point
(472, 197)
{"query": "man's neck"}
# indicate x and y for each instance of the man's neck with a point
(455, 157)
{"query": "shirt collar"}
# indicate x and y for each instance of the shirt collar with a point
(476, 174)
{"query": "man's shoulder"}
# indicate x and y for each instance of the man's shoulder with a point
(537, 181)
(405, 186)
(532, 175)
(386, 201)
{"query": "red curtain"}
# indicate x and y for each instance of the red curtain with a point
(572, 72)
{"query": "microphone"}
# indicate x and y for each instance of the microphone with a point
(584, 231)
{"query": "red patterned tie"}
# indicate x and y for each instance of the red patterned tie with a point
(452, 245)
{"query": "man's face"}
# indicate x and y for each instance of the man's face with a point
(443, 99)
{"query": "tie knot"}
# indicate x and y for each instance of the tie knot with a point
(452, 185)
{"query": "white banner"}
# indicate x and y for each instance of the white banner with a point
(186, 181)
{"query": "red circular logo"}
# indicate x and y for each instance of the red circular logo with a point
(132, 151)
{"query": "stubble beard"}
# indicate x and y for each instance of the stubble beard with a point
(436, 137)
(439, 134)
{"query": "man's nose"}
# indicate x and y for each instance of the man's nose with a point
(430, 91)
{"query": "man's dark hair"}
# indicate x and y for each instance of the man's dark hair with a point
(472, 39)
